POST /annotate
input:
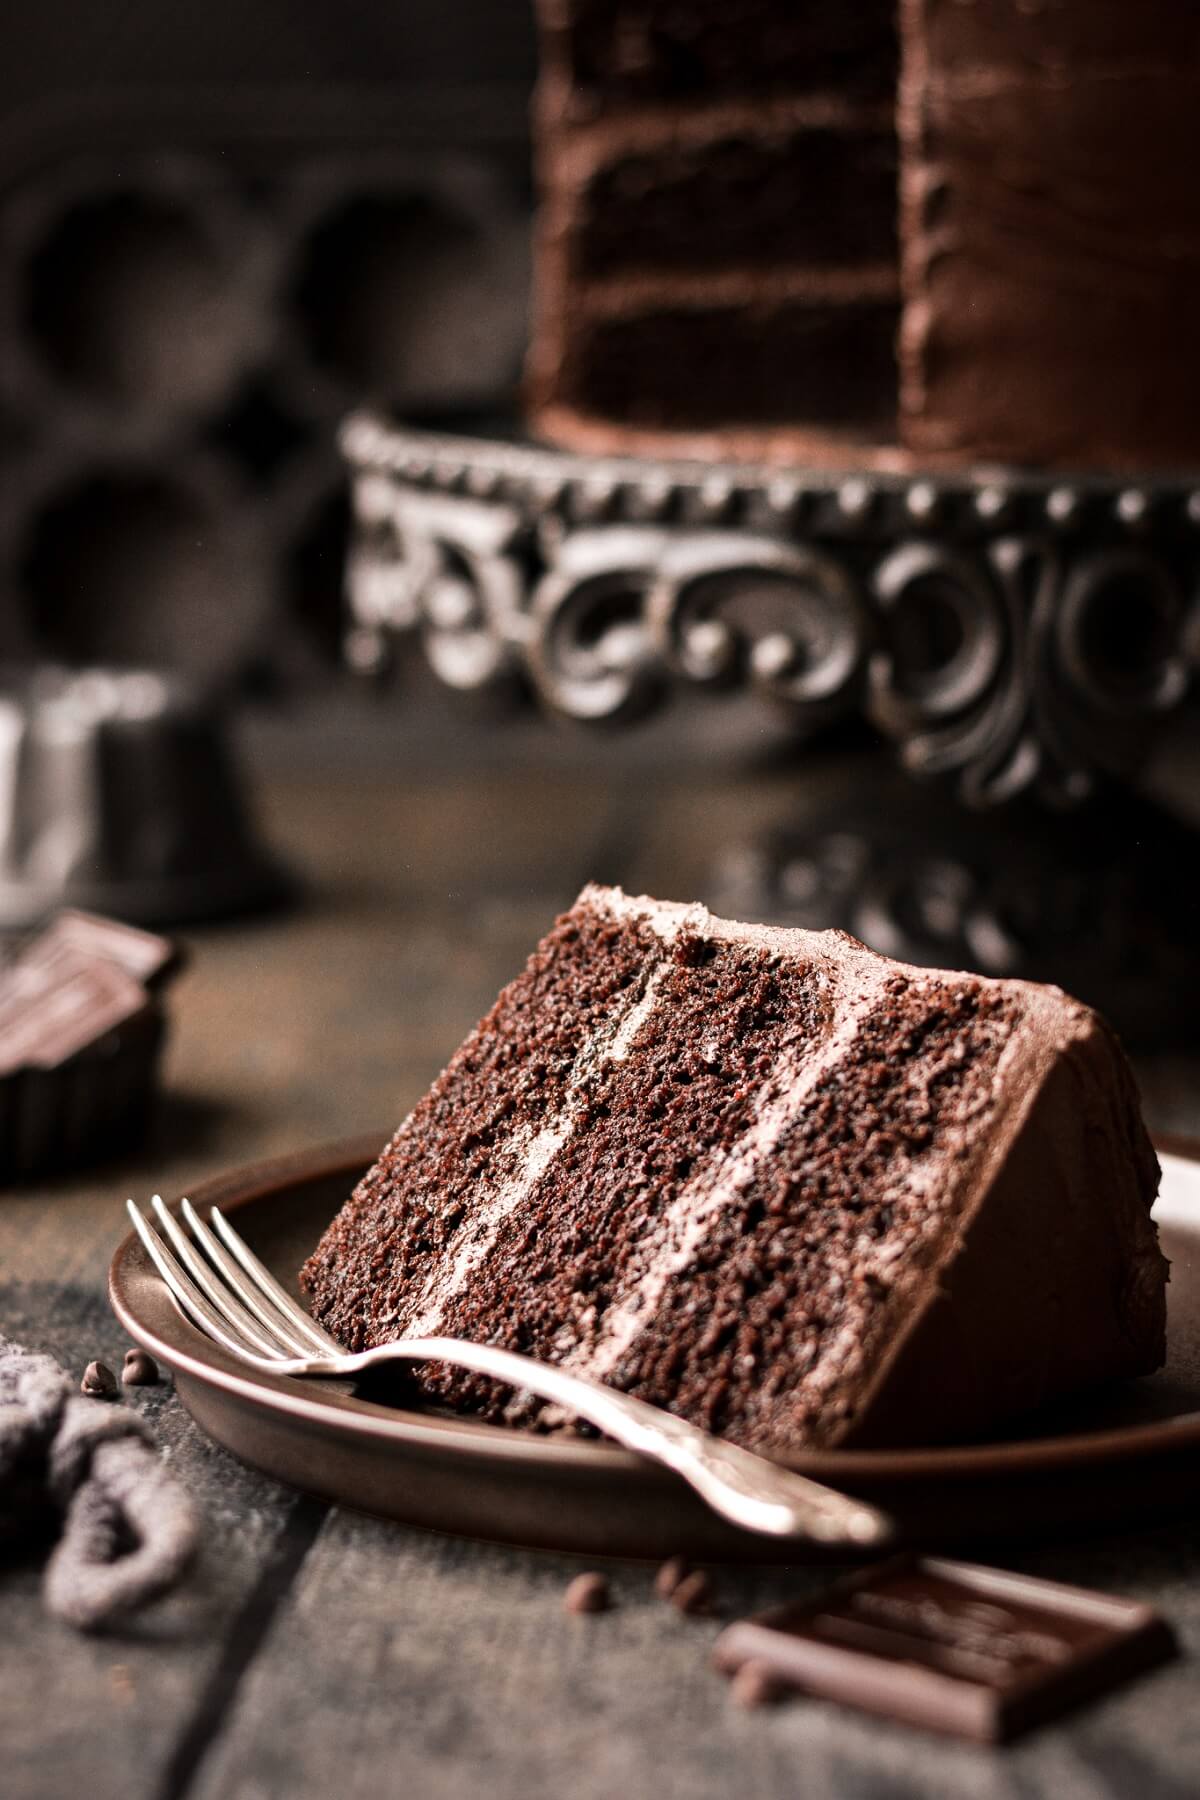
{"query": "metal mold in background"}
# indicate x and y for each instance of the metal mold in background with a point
(164, 563)
(131, 306)
(409, 280)
(117, 794)
(1012, 633)
(192, 294)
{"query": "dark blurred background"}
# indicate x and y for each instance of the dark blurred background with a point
(220, 227)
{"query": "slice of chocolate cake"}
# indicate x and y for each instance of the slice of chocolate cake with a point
(744, 201)
(794, 1191)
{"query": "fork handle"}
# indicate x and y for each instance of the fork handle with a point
(751, 1491)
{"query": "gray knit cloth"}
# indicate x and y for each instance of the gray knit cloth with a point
(92, 1468)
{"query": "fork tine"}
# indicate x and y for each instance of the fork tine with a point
(276, 1323)
(187, 1296)
(213, 1290)
(266, 1282)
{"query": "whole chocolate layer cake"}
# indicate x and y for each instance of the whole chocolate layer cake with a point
(856, 230)
(794, 1191)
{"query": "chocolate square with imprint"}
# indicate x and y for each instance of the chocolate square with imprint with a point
(956, 1648)
(82, 1026)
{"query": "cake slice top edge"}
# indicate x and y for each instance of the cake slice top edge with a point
(672, 920)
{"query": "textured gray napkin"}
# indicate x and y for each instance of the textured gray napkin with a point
(91, 1469)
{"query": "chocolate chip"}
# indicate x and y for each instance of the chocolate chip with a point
(139, 1370)
(99, 1382)
(755, 1684)
(694, 1593)
(587, 1594)
(670, 1575)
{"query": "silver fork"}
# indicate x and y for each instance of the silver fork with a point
(223, 1288)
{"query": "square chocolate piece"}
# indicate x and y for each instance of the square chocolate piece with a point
(966, 1651)
(148, 957)
(81, 1031)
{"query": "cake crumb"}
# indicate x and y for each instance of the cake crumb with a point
(587, 1594)
(690, 950)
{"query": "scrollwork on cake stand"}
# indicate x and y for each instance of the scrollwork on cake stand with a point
(1010, 634)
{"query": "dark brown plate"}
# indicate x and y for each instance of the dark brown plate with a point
(1133, 1451)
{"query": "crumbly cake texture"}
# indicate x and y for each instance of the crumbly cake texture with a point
(796, 1192)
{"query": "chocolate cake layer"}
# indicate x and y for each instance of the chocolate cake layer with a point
(791, 1190)
(1051, 247)
(751, 192)
(689, 367)
(627, 52)
(749, 145)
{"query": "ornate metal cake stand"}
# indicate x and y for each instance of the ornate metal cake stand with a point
(1027, 640)
(1014, 633)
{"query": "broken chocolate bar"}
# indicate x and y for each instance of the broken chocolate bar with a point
(966, 1651)
(81, 1031)
(145, 955)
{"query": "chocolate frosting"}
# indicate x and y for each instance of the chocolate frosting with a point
(790, 1189)
(1051, 262)
(1064, 36)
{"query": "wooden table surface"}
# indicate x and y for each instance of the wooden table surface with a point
(315, 1653)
